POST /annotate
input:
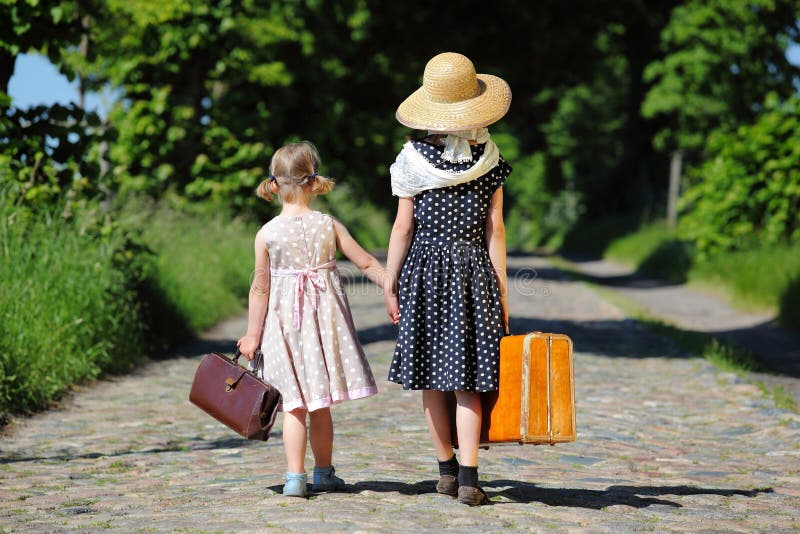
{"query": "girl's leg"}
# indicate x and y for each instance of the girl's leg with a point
(468, 426)
(321, 436)
(294, 440)
(438, 417)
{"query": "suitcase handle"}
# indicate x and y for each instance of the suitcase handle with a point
(258, 357)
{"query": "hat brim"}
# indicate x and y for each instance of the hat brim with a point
(419, 112)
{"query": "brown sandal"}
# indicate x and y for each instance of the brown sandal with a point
(472, 496)
(447, 485)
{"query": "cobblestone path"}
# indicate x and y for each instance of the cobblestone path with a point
(666, 443)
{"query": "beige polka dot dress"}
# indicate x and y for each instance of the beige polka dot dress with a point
(311, 350)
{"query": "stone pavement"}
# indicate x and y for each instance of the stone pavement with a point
(666, 443)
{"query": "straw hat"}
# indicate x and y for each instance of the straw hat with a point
(453, 97)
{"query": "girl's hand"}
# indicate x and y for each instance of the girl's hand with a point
(390, 297)
(504, 308)
(392, 307)
(247, 346)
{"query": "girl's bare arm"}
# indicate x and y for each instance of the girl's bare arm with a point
(496, 243)
(400, 240)
(258, 300)
(365, 261)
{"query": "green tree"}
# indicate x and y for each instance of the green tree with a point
(26, 25)
(721, 58)
(584, 133)
(46, 151)
(193, 75)
(748, 191)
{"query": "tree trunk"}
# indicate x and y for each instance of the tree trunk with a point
(675, 169)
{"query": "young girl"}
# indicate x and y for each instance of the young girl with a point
(448, 244)
(300, 317)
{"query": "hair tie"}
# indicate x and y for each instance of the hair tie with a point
(271, 178)
(313, 175)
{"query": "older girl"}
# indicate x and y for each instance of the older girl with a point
(448, 246)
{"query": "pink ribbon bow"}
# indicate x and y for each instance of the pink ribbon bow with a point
(305, 276)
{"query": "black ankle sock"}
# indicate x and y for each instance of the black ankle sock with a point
(450, 467)
(468, 476)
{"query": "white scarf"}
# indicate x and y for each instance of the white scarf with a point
(412, 173)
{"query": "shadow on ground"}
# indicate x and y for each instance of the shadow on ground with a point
(196, 444)
(198, 346)
(634, 496)
(624, 338)
(525, 492)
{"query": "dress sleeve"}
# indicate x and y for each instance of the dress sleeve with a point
(499, 174)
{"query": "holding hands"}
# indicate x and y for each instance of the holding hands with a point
(390, 297)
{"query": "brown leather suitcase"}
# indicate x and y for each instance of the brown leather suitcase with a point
(235, 396)
(535, 402)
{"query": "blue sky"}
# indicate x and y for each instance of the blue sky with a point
(37, 81)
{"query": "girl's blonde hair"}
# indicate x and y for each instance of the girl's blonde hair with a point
(294, 170)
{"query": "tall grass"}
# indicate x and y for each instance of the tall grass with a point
(754, 278)
(68, 313)
(201, 271)
(79, 298)
(634, 247)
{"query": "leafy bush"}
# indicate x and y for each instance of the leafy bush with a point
(529, 201)
(790, 304)
(368, 224)
(47, 154)
(672, 260)
(534, 214)
(747, 193)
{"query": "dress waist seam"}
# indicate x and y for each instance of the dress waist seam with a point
(453, 243)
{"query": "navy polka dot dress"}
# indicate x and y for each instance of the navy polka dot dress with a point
(450, 315)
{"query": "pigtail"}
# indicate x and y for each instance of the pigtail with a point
(322, 185)
(263, 191)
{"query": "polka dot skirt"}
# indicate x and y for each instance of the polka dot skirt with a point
(450, 316)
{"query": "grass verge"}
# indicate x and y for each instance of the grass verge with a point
(86, 296)
(200, 272)
(68, 311)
